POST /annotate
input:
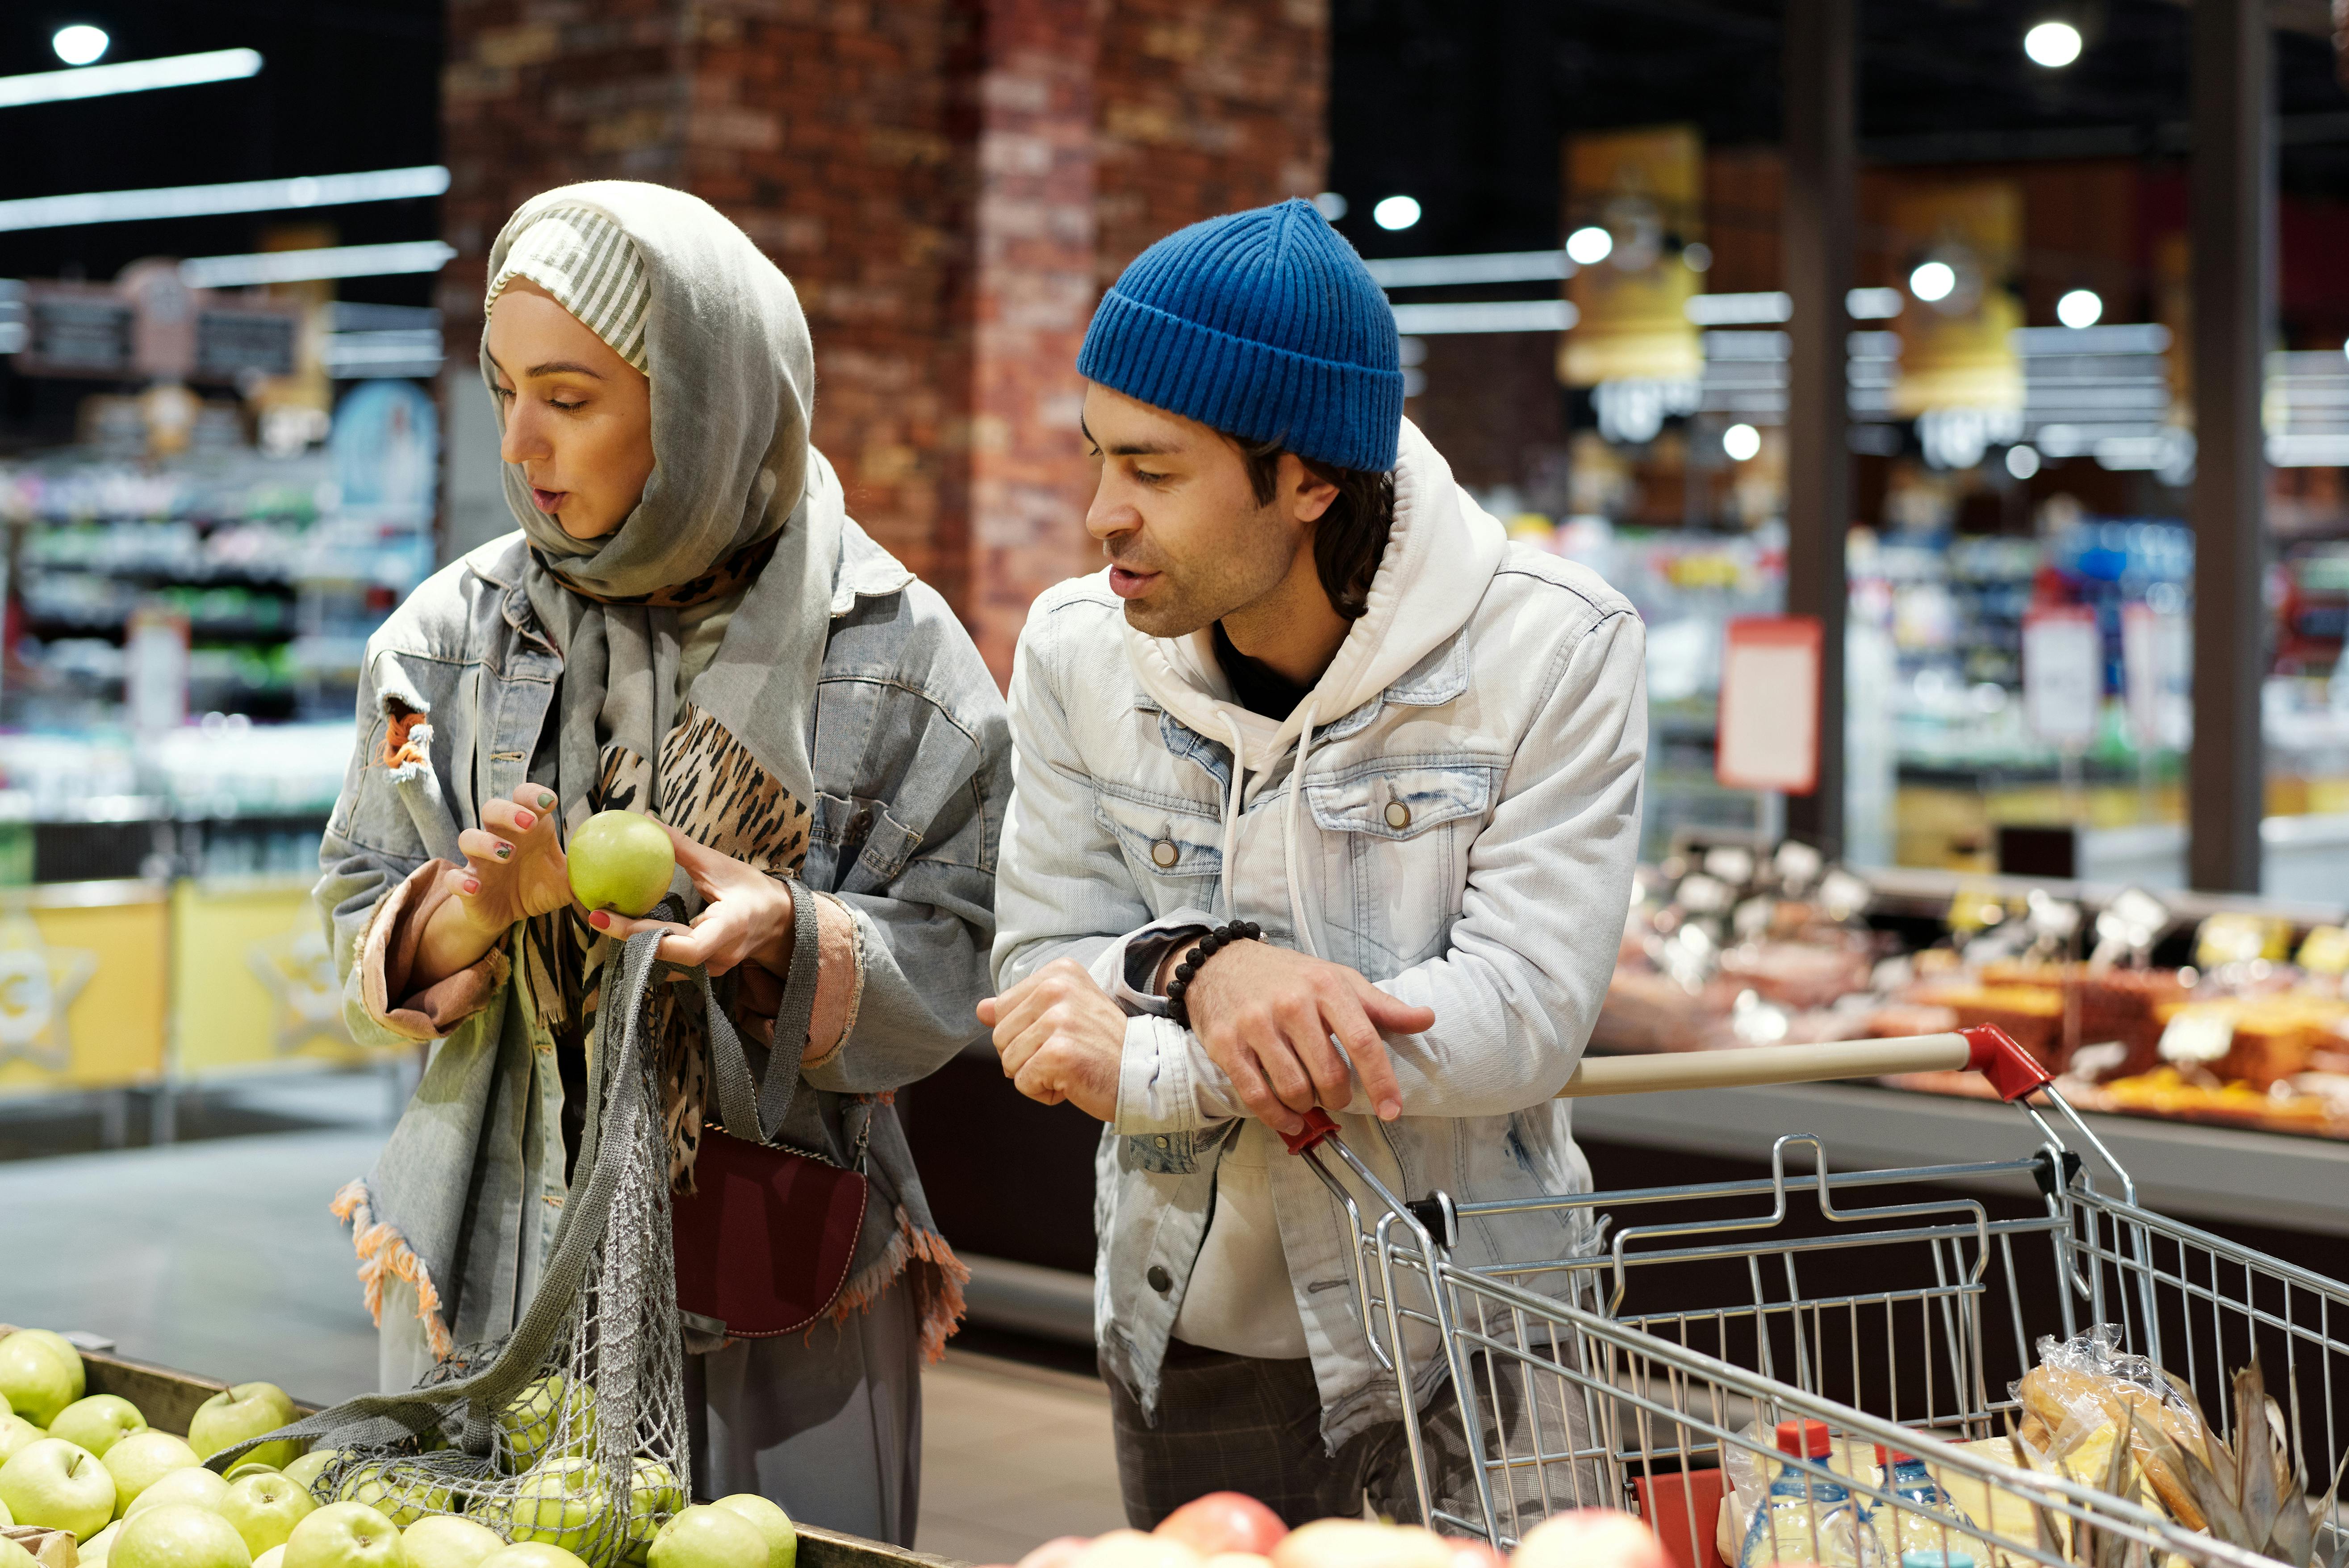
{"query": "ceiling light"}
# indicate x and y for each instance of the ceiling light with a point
(301, 266)
(208, 200)
(80, 44)
(2021, 462)
(2053, 44)
(1331, 205)
(1590, 245)
(1933, 280)
(129, 75)
(1741, 441)
(1395, 211)
(2081, 307)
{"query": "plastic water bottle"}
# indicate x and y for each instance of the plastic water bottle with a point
(1807, 1518)
(1913, 1528)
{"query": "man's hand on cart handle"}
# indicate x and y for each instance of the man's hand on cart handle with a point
(1266, 1015)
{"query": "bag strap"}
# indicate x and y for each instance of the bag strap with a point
(753, 1109)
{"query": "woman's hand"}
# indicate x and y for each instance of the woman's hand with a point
(746, 916)
(513, 869)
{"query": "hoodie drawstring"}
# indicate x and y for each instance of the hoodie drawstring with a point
(1232, 812)
(1288, 826)
(1289, 836)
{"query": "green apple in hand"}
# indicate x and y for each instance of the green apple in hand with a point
(782, 1538)
(620, 860)
(179, 1535)
(140, 1460)
(15, 1433)
(239, 1414)
(553, 1418)
(708, 1536)
(447, 1541)
(54, 1483)
(98, 1422)
(344, 1535)
(37, 1378)
(195, 1486)
(562, 1503)
(266, 1506)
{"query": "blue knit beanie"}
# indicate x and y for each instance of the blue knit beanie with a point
(1264, 325)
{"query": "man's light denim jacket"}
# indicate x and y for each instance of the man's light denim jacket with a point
(911, 772)
(1497, 898)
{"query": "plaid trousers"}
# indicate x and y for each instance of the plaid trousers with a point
(1239, 1423)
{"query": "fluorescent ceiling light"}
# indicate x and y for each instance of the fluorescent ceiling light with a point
(1490, 266)
(298, 266)
(1485, 316)
(131, 75)
(1739, 310)
(1872, 303)
(208, 200)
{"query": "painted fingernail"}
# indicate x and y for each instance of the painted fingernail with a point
(505, 851)
(545, 801)
(600, 920)
(524, 821)
(470, 886)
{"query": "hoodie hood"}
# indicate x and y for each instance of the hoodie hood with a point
(1438, 559)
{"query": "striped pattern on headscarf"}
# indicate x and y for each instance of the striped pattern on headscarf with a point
(594, 271)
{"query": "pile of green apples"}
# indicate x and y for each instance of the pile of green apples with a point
(134, 1497)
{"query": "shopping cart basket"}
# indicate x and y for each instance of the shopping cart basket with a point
(1630, 1372)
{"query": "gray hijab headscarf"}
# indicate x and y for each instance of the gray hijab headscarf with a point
(721, 336)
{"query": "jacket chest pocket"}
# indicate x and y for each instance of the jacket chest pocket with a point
(1176, 854)
(1394, 842)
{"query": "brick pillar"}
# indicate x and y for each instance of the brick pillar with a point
(947, 183)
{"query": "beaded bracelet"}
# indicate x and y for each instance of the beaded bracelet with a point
(1214, 942)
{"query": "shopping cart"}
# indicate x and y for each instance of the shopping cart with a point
(1635, 1370)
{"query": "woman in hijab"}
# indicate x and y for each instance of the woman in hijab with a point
(687, 625)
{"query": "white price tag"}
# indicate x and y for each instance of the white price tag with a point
(2062, 676)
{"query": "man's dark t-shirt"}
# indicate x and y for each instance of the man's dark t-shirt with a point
(1259, 687)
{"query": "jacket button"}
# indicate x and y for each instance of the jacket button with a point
(1164, 854)
(1160, 1280)
(1398, 816)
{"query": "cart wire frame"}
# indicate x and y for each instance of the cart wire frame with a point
(1665, 1390)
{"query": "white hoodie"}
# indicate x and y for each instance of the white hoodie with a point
(1439, 558)
(1464, 836)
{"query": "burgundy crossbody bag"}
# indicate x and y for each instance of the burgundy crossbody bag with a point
(765, 1240)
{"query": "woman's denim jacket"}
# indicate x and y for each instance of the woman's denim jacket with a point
(911, 762)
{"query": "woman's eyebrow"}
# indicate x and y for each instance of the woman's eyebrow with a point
(563, 368)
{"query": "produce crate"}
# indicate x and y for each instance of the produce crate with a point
(168, 1398)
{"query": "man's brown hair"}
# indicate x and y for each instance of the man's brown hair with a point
(1350, 538)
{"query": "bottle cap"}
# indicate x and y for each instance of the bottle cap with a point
(1931, 1559)
(1806, 1440)
(1886, 1458)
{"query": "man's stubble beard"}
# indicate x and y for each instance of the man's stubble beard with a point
(1229, 580)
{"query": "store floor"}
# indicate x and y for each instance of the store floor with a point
(218, 1255)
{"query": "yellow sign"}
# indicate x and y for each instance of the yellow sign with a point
(1957, 245)
(1646, 189)
(254, 979)
(81, 989)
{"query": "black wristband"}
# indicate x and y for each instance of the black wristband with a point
(1214, 942)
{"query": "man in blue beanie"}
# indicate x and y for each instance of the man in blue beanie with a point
(1325, 797)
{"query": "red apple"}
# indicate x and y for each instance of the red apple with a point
(1133, 1549)
(1590, 1538)
(1472, 1553)
(1357, 1543)
(1057, 1553)
(1224, 1521)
